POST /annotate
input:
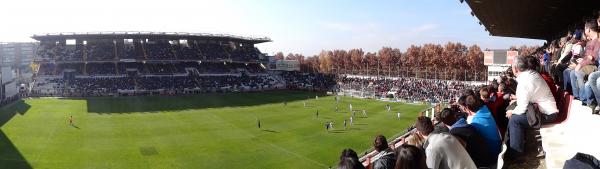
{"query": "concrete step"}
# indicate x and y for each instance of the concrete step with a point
(576, 134)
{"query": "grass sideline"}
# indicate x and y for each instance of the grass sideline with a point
(202, 131)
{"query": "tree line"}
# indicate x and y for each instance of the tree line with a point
(450, 61)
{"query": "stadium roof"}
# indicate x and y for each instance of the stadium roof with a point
(150, 35)
(533, 19)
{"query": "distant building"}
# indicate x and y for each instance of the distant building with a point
(18, 55)
(8, 83)
(498, 61)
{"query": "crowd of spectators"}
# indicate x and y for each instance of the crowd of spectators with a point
(187, 52)
(406, 88)
(101, 68)
(45, 52)
(245, 54)
(131, 51)
(103, 78)
(214, 52)
(158, 50)
(311, 81)
(47, 69)
(101, 51)
(469, 133)
(93, 86)
(61, 52)
(157, 68)
(101, 84)
(573, 60)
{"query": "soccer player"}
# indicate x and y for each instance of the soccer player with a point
(327, 126)
(317, 113)
(259, 123)
(71, 120)
(331, 124)
(351, 120)
(304, 102)
(344, 124)
(350, 106)
(365, 113)
(337, 109)
(398, 114)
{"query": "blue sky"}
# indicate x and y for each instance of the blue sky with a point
(306, 26)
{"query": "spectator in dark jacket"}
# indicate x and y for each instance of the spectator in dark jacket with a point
(410, 157)
(349, 163)
(349, 153)
(385, 158)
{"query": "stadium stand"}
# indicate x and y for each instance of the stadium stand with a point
(313, 81)
(123, 63)
(406, 88)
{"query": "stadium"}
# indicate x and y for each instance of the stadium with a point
(107, 80)
(136, 99)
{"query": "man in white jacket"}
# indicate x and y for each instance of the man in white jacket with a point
(531, 89)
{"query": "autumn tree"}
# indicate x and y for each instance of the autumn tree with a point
(279, 56)
(356, 57)
(448, 61)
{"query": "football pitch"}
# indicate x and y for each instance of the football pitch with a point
(201, 131)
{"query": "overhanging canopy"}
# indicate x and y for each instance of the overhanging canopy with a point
(149, 35)
(533, 19)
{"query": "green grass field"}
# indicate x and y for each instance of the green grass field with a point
(203, 131)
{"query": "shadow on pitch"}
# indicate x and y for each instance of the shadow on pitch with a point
(271, 131)
(338, 131)
(10, 157)
(10, 110)
(201, 101)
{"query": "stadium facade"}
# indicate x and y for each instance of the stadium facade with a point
(19, 55)
(8, 84)
(125, 63)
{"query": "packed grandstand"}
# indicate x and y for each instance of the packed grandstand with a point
(128, 63)
(133, 63)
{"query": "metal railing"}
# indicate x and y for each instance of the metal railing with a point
(365, 156)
